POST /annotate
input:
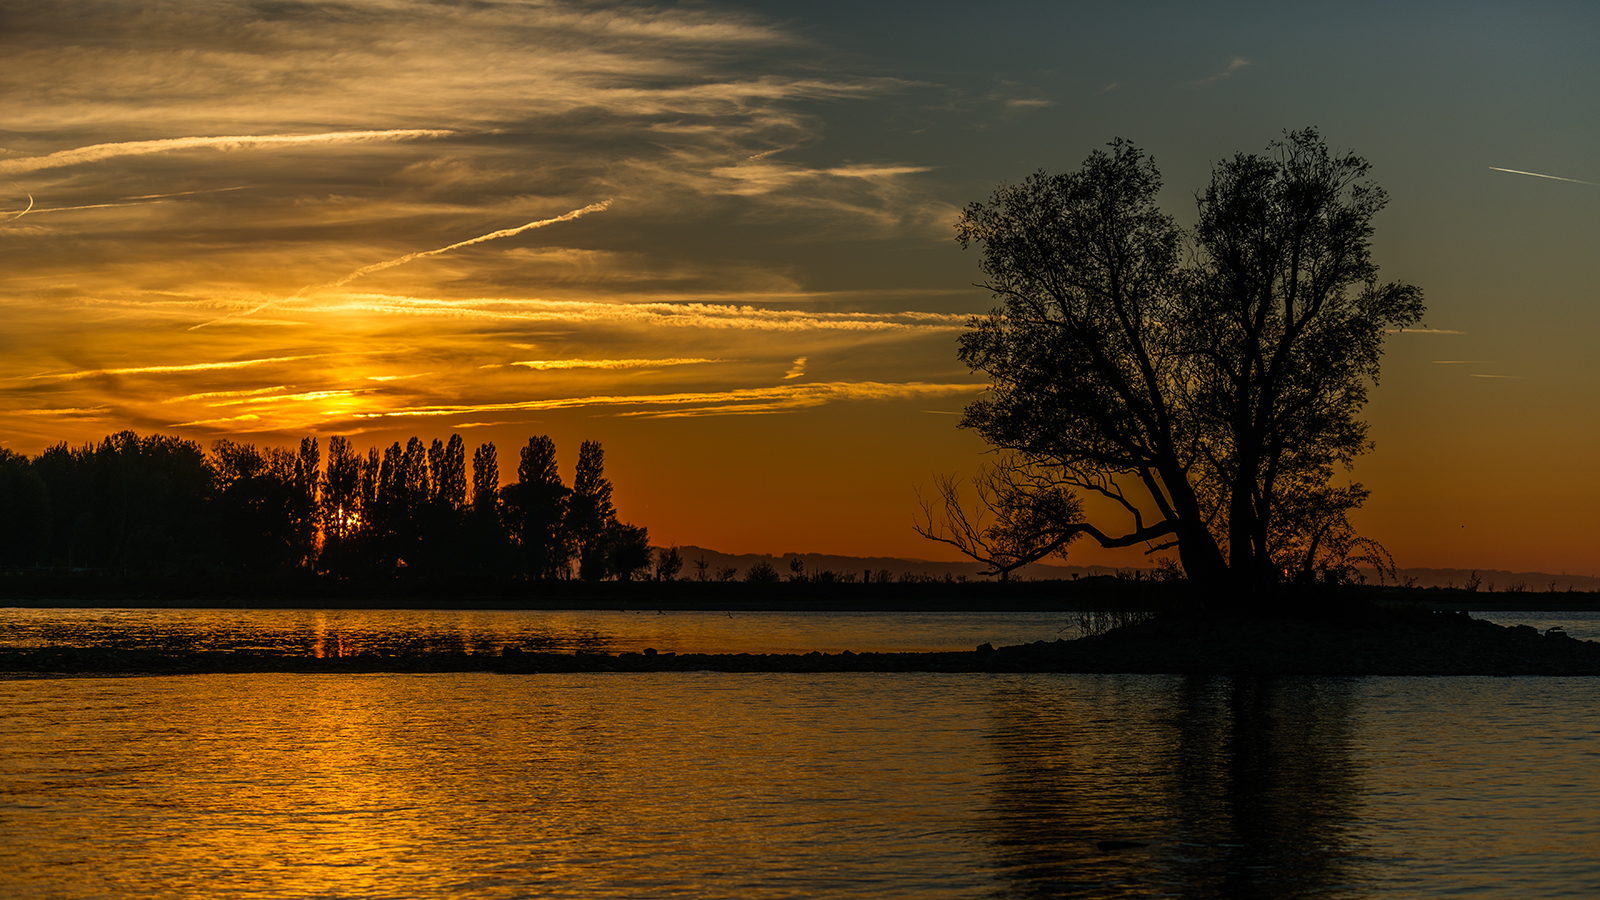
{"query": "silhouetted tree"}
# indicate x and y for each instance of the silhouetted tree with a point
(701, 568)
(669, 562)
(489, 540)
(1205, 398)
(265, 515)
(24, 512)
(590, 513)
(761, 573)
(537, 506)
(340, 506)
(627, 550)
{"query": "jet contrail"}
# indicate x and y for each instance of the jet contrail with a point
(96, 152)
(1551, 177)
(188, 193)
(24, 212)
(508, 232)
(399, 260)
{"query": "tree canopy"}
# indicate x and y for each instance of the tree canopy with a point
(161, 503)
(1206, 381)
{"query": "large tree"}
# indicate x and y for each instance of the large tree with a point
(1206, 382)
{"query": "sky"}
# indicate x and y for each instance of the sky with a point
(719, 237)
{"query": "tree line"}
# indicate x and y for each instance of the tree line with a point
(161, 503)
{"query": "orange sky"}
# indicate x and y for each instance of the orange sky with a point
(262, 222)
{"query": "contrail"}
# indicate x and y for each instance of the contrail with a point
(96, 152)
(24, 212)
(125, 201)
(1551, 177)
(188, 193)
(508, 232)
(399, 260)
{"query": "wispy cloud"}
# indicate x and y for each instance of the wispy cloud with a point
(768, 399)
(610, 363)
(98, 152)
(63, 411)
(1234, 65)
(1537, 175)
(223, 395)
(796, 370)
(678, 315)
(165, 370)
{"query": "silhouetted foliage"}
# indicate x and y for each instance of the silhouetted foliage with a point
(1206, 382)
(161, 503)
(590, 513)
(537, 508)
(761, 573)
(627, 550)
(669, 562)
(24, 511)
(264, 507)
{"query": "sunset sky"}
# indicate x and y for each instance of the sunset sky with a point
(718, 237)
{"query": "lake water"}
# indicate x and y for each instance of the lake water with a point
(315, 632)
(918, 785)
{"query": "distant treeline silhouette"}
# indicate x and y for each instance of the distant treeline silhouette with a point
(161, 503)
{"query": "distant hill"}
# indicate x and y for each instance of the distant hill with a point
(1496, 580)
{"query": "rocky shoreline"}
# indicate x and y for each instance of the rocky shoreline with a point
(1366, 641)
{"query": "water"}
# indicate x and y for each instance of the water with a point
(771, 786)
(918, 785)
(347, 632)
(314, 632)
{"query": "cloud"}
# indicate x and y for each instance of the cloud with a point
(543, 364)
(64, 411)
(796, 370)
(214, 395)
(165, 370)
(767, 399)
(1234, 65)
(677, 315)
(98, 152)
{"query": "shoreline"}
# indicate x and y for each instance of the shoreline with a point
(67, 590)
(1362, 642)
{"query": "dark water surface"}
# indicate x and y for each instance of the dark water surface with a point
(346, 632)
(766, 786)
